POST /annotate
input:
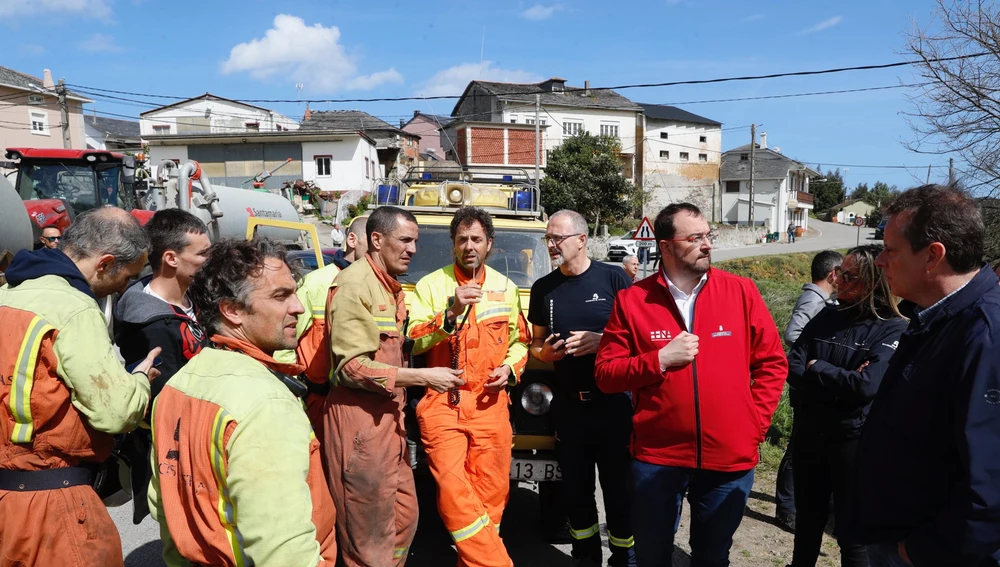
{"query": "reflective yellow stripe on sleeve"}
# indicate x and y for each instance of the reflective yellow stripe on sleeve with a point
(24, 379)
(385, 323)
(226, 509)
(471, 530)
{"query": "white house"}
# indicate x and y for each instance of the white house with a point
(781, 188)
(212, 114)
(682, 154)
(111, 134)
(566, 111)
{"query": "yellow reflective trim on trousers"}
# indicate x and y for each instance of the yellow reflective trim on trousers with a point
(24, 379)
(399, 552)
(471, 530)
(584, 533)
(226, 509)
(618, 542)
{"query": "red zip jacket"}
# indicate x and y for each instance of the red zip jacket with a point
(713, 413)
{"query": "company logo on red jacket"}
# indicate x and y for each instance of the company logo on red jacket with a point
(660, 336)
(722, 333)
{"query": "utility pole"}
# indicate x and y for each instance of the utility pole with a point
(64, 106)
(753, 146)
(538, 142)
(951, 172)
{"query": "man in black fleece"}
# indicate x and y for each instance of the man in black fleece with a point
(155, 311)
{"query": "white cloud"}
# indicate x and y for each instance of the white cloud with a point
(540, 12)
(298, 53)
(825, 24)
(99, 43)
(30, 49)
(100, 9)
(452, 81)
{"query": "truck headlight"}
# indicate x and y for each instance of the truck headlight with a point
(536, 399)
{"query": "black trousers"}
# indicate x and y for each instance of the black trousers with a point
(589, 433)
(822, 468)
(784, 490)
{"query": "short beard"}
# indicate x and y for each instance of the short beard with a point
(557, 262)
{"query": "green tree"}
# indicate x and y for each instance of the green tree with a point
(880, 195)
(585, 174)
(860, 192)
(828, 193)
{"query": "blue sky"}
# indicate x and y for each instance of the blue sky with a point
(334, 49)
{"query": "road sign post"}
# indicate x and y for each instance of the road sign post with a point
(646, 239)
(859, 222)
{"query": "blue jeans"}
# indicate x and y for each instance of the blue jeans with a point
(717, 502)
(885, 555)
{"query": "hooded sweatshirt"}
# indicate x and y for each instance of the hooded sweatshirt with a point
(143, 321)
(30, 265)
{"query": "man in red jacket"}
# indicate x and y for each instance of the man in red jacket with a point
(703, 360)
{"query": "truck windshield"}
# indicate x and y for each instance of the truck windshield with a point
(70, 182)
(519, 254)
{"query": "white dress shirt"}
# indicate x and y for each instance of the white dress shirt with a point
(685, 302)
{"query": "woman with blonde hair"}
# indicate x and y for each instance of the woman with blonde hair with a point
(834, 370)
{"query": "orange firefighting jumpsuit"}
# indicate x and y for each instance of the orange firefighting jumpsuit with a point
(468, 444)
(237, 474)
(63, 394)
(365, 441)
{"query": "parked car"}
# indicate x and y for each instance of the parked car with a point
(305, 260)
(880, 229)
(619, 248)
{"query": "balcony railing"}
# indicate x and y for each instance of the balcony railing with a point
(804, 198)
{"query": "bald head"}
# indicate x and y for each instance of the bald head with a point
(356, 241)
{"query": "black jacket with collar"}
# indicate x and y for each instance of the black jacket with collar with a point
(928, 462)
(831, 398)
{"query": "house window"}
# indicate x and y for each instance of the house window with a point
(161, 129)
(572, 128)
(541, 121)
(39, 123)
(703, 139)
(374, 169)
(609, 130)
(323, 165)
(684, 156)
(703, 158)
(744, 157)
(279, 127)
(664, 154)
(732, 186)
(368, 169)
(513, 119)
(253, 126)
(664, 135)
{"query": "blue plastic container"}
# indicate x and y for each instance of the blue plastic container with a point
(524, 200)
(388, 194)
(426, 176)
(508, 178)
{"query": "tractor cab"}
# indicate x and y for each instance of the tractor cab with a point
(79, 180)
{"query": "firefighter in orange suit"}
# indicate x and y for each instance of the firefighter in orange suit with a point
(63, 392)
(237, 472)
(468, 316)
(365, 442)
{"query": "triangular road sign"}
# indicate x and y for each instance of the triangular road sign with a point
(645, 230)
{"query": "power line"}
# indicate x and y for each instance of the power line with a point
(577, 89)
(794, 95)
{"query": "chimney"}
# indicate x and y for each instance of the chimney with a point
(47, 81)
(763, 140)
(309, 113)
(401, 123)
(586, 88)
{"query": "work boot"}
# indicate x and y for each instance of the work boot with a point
(786, 522)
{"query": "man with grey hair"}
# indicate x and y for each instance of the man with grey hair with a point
(68, 393)
(568, 311)
(631, 266)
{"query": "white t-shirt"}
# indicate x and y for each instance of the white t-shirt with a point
(189, 310)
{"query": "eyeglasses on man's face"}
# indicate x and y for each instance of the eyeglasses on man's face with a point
(558, 239)
(694, 238)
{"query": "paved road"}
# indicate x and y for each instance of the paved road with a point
(828, 235)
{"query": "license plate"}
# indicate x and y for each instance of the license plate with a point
(535, 470)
